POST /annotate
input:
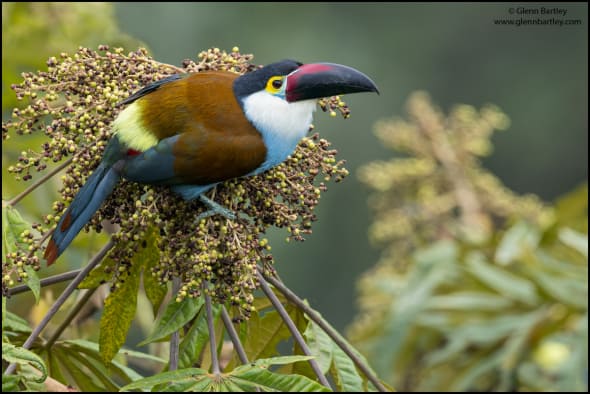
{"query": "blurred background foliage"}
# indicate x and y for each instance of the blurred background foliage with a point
(477, 288)
(514, 260)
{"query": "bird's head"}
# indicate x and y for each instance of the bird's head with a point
(293, 81)
(280, 99)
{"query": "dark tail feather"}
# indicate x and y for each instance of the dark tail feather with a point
(88, 200)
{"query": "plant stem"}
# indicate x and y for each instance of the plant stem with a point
(51, 280)
(332, 333)
(234, 336)
(73, 312)
(211, 327)
(294, 331)
(61, 299)
(175, 337)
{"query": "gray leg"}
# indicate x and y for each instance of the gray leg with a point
(214, 209)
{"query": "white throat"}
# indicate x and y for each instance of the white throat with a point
(281, 124)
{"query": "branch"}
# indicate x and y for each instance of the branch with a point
(294, 331)
(316, 318)
(61, 299)
(73, 312)
(175, 337)
(211, 327)
(235, 339)
(51, 280)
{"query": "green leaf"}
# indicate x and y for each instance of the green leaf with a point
(568, 291)
(78, 371)
(434, 266)
(264, 334)
(95, 370)
(14, 323)
(12, 227)
(336, 348)
(154, 290)
(266, 380)
(90, 346)
(321, 346)
(119, 311)
(574, 240)
(176, 315)
(149, 254)
(518, 239)
(280, 360)
(502, 281)
(345, 373)
(14, 354)
(178, 377)
(469, 301)
(33, 282)
(99, 275)
(195, 339)
(10, 383)
(91, 350)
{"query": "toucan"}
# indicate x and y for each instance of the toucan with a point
(192, 131)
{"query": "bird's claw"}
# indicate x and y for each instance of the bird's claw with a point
(215, 209)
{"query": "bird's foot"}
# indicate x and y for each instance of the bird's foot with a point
(214, 209)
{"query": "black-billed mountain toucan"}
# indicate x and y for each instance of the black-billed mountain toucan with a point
(192, 131)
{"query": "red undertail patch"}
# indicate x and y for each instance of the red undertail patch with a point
(50, 252)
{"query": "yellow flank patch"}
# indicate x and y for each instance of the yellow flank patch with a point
(131, 131)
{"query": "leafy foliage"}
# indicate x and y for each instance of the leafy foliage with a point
(477, 288)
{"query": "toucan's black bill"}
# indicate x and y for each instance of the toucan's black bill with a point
(316, 80)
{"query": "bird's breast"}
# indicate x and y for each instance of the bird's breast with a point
(281, 124)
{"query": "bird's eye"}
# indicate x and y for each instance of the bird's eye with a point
(274, 85)
(277, 83)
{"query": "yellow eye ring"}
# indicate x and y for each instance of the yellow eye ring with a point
(274, 84)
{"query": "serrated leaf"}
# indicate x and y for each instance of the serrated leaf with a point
(15, 323)
(78, 372)
(280, 360)
(178, 377)
(33, 282)
(344, 372)
(356, 353)
(91, 350)
(195, 339)
(515, 287)
(10, 383)
(95, 370)
(320, 345)
(176, 315)
(12, 226)
(270, 381)
(89, 346)
(119, 311)
(264, 334)
(518, 239)
(19, 355)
